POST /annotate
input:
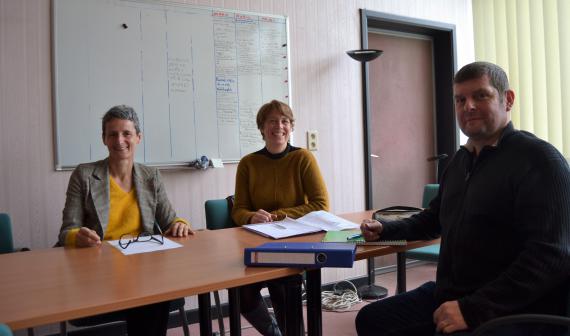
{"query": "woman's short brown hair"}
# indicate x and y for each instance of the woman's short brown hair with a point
(274, 105)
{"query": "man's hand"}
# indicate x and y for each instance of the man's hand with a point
(371, 229)
(179, 229)
(262, 216)
(448, 318)
(86, 238)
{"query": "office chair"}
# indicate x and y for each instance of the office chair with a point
(218, 216)
(6, 238)
(427, 253)
(218, 213)
(5, 330)
(7, 245)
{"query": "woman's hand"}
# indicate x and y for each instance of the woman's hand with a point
(86, 238)
(179, 229)
(371, 229)
(262, 216)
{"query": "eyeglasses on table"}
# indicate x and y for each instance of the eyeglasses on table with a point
(145, 236)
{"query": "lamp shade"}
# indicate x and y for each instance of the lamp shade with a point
(364, 55)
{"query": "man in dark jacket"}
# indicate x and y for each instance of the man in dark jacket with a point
(503, 214)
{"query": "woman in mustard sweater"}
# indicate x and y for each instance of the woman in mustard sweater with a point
(277, 180)
(116, 196)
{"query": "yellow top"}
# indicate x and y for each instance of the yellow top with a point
(289, 183)
(124, 215)
(124, 212)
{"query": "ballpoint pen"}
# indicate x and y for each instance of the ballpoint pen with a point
(354, 236)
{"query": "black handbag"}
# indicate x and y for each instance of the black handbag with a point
(394, 213)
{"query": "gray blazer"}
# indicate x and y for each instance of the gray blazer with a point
(88, 200)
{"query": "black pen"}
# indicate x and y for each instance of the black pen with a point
(159, 229)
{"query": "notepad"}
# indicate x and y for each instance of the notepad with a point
(312, 222)
(341, 237)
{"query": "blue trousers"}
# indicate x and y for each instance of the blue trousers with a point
(411, 314)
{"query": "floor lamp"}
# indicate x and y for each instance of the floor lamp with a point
(370, 290)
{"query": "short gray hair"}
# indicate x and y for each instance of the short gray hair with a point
(123, 112)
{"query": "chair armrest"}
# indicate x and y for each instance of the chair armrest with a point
(521, 318)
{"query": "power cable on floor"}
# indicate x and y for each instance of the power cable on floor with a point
(343, 296)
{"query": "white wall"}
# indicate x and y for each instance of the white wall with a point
(326, 96)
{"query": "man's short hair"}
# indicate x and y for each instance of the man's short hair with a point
(123, 112)
(497, 76)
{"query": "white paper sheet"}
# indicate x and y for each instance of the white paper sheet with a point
(146, 246)
(326, 221)
(312, 222)
(281, 229)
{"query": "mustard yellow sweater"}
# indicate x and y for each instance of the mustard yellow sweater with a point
(124, 215)
(289, 183)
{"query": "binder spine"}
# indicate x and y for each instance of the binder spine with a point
(274, 258)
(298, 259)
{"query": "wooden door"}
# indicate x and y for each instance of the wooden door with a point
(402, 120)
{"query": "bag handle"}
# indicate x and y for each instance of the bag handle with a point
(400, 208)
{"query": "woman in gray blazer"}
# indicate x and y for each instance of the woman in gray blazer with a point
(114, 197)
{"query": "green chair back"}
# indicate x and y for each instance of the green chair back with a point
(219, 216)
(219, 213)
(6, 241)
(426, 253)
(430, 191)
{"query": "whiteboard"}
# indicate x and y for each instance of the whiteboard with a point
(196, 77)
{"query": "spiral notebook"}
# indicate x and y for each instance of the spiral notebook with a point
(343, 237)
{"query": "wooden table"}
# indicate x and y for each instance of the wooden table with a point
(59, 284)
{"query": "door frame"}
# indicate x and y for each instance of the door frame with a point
(444, 56)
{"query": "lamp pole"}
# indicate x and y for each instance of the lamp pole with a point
(370, 290)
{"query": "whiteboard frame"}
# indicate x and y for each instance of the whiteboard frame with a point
(166, 165)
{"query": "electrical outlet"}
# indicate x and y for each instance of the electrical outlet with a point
(312, 140)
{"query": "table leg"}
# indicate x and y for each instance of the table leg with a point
(205, 314)
(293, 306)
(235, 321)
(401, 272)
(314, 312)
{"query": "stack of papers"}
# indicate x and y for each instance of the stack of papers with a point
(312, 222)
